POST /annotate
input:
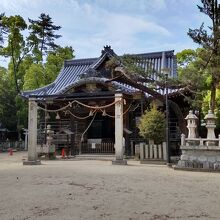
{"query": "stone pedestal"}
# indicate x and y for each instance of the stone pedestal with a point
(119, 162)
(28, 162)
(200, 153)
(200, 157)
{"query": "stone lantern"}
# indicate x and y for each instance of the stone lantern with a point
(50, 146)
(191, 124)
(50, 134)
(210, 125)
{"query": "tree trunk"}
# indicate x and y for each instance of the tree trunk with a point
(213, 97)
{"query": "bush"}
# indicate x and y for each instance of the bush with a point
(152, 125)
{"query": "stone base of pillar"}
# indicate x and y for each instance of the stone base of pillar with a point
(119, 162)
(28, 162)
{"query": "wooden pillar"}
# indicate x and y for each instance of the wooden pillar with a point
(119, 151)
(32, 134)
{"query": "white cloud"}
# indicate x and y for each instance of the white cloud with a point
(140, 6)
(130, 26)
(88, 27)
(17, 5)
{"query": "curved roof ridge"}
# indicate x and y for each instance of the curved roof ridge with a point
(24, 93)
(80, 61)
(155, 54)
(103, 80)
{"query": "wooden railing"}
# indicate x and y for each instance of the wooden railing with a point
(103, 148)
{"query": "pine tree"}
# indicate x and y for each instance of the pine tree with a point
(42, 36)
(210, 42)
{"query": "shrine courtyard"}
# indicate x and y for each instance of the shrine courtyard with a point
(93, 190)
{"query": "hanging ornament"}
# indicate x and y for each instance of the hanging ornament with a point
(58, 116)
(104, 113)
(91, 113)
(47, 116)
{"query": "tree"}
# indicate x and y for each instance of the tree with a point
(185, 57)
(16, 48)
(194, 75)
(34, 62)
(34, 77)
(40, 74)
(2, 29)
(55, 60)
(7, 101)
(42, 36)
(210, 42)
(152, 125)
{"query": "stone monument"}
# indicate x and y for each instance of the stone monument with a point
(200, 153)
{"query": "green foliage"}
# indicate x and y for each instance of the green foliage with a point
(185, 57)
(39, 74)
(193, 73)
(2, 29)
(34, 77)
(55, 60)
(209, 40)
(21, 114)
(15, 46)
(42, 36)
(205, 106)
(7, 102)
(35, 61)
(152, 125)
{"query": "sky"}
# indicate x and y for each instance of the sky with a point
(129, 26)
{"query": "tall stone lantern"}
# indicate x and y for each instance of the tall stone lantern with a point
(191, 124)
(210, 125)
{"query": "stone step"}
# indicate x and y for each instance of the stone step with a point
(108, 157)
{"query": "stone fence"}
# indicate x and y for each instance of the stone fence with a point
(151, 152)
(199, 142)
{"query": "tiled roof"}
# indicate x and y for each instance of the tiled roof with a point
(73, 69)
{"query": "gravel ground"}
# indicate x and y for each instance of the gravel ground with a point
(96, 190)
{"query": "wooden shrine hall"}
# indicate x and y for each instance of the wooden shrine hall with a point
(90, 111)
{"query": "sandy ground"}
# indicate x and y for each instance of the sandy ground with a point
(96, 190)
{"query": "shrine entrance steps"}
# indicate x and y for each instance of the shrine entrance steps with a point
(107, 157)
